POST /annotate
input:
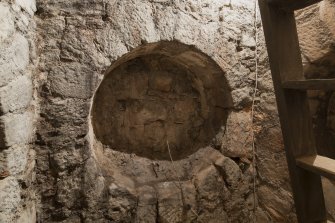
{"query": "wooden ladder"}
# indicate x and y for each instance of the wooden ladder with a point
(305, 166)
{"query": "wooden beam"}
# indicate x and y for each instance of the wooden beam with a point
(310, 84)
(318, 164)
(286, 64)
(291, 5)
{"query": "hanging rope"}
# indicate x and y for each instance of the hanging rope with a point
(254, 171)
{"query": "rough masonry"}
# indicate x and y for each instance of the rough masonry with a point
(140, 111)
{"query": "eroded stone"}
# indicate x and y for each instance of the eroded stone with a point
(16, 95)
(17, 129)
(6, 22)
(13, 59)
(237, 140)
(14, 159)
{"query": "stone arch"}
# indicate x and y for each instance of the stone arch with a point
(158, 94)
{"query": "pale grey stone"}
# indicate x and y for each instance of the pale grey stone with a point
(242, 97)
(16, 95)
(18, 129)
(14, 159)
(176, 201)
(248, 40)
(28, 5)
(9, 196)
(28, 215)
(6, 22)
(14, 58)
(230, 170)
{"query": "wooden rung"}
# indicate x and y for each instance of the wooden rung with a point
(321, 165)
(310, 84)
(291, 5)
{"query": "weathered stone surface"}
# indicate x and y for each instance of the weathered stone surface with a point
(327, 14)
(176, 202)
(68, 189)
(14, 159)
(121, 204)
(72, 81)
(16, 95)
(28, 215)
(6, 22)
(230, 170)
(9, 198)
(147, 205)
(218, 216)
(17, 129)
(242, 97)
(237, 140)
(211, 189)
(28, 5)
(15, 58)
(277, 203)
(17, 160)
(272, 159)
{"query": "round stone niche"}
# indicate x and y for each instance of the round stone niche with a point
(160, 97)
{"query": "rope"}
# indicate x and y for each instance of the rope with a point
(254, 171)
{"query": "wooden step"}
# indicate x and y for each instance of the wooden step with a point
(310, 84)
(321, 165)
(291, 5)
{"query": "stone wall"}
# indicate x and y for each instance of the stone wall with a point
(17, 110)
(182, 50)
(81, 179)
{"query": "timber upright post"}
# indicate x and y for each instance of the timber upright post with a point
(305, 166)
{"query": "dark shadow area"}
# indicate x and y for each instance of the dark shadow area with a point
(324, 119)
(161, 96)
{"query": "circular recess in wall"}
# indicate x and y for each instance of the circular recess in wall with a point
(161, 96)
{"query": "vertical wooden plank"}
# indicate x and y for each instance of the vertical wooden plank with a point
(285, 62)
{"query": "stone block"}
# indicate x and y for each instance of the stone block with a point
(74, 81)
(6, 22)
(9, 197)
(237, 141)
(248, 40)
(16, 129)
(176, 201)
(278, 203)
(27, 5)
(14, 159)
(28, 215)
(242, 97)
(16, 95)
(14, 57)
(210, 188)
